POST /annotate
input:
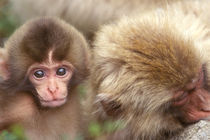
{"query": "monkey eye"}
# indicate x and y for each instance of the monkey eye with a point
(39, 74)
(61, 71)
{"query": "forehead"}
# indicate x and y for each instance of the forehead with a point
(50, 63)
(161, 55)
(50, 59)
(45, 35)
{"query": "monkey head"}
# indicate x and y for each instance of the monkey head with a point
(149, 71)
(48, 55)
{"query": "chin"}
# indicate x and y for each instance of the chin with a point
(53, 103)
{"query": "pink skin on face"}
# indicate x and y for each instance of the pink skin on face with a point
(50, 80)
(194, 102)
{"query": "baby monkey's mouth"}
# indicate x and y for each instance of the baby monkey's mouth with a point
(53, 103)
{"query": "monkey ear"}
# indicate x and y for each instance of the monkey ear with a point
(109, 105)
(4, 73)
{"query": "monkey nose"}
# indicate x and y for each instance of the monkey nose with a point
(52, 89)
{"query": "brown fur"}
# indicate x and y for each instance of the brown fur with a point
(138, 64)
(28, 45)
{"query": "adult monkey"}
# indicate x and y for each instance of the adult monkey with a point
(152, 72)
(43, 62)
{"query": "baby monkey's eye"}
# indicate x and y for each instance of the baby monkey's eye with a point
(61, 71)
(39, 74)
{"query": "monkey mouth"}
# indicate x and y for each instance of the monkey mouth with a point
(53, 103)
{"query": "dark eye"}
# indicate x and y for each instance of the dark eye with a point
(39, 74)
(61, 72)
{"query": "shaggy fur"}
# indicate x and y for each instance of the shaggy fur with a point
(138, 64)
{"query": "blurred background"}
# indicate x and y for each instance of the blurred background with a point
(8, 22)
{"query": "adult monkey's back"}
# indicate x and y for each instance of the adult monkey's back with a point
(86, 15)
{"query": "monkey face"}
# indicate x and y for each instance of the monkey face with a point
(50, 80)
(47, 52)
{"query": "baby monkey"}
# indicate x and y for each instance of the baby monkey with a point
(43, 62)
